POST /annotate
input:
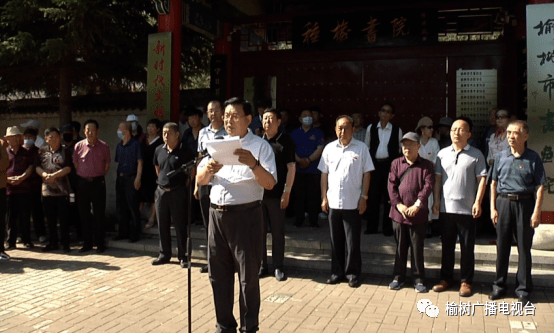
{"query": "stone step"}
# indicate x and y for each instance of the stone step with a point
(377, 256)
(374, 246)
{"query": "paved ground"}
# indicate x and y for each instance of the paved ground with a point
(120, 291)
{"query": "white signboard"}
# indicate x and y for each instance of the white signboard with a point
(540, 86)
(476, 95)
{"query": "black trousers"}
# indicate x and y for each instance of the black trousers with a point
(19, 218)
(204, 195)
(378, 191)
(37, 213)
(92, 192)
(452, 226)
(275, 218)
(127, 198)
(307, 197)
(56, 207)
(514, 216)
(3, 209)
(409, 236)
(171, 206)
(235, 244)
(346, 229)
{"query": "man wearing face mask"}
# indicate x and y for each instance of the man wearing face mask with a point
(35, 125)
(37, 212)
(309, 143)
(128, 156)
(136, 129)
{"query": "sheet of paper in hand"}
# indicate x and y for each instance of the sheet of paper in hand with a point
(221, 150)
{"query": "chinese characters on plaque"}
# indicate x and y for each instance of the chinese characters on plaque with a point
(218, 77)
(476, 95)
(159, 76)
(365, 29)
(540, 86)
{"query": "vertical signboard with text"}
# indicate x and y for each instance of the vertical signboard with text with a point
(540, 86)
(476, 95)
(158, 88)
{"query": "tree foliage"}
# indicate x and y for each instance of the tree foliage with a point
(196, 53)
(100, 43)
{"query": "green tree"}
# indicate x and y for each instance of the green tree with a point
(196, 53)
(54, 47)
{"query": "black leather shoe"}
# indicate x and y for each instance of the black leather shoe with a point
(497, 294)
(280, 275)
(184, 264)
(523, 300)
(160, 260)
(66, 249)
(85, 249)
(353, 282)
(335, 279)
(133, 239)
(100, 249)
(119, 237)
(50, 247)
(263, 272)
(204, 269)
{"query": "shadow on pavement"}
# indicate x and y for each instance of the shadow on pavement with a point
(17, 265)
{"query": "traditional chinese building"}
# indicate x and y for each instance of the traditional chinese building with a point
(429, 58)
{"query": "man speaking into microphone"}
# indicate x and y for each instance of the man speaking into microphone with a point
(235, 232)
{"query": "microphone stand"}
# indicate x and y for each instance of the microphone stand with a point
(188, 168)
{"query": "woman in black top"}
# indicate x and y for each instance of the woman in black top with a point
(148, 181)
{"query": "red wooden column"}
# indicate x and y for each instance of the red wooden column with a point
(224, 47)
(173, 22)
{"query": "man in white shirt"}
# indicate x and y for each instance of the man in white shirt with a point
(383, 139)
(235, 231)
(345, 167)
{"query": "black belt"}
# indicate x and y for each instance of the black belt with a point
(127, 174)
(517, 197)
(167, 189)
(234, 208)
(92, 179)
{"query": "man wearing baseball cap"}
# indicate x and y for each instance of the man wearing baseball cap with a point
(33, 124)
(20, 167)
(411, 181)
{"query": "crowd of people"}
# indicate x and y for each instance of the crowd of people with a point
(344, 175)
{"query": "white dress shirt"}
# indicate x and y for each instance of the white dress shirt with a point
(430, 150)
(345, 166)
(384, 137)
(208, 133)
(236, 184)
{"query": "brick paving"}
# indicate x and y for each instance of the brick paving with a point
(119, 291)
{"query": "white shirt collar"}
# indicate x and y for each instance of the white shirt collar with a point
(388, 127)
(464, 149)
